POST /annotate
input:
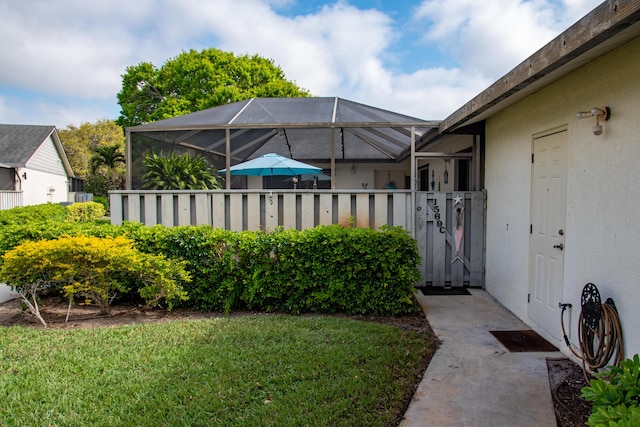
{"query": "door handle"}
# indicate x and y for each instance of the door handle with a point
(560, 246)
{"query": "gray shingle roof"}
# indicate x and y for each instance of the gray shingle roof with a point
(19, 142)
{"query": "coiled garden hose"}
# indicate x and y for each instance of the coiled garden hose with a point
(599, 331)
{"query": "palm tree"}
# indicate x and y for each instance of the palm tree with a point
(175, 172)
(108, 156)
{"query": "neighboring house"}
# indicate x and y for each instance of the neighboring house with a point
(33, 166)
(562, 207)
(33, 170)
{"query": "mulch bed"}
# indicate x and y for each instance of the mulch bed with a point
(566, 379)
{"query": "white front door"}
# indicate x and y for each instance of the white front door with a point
(548, 204)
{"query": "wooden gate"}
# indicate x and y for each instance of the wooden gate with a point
(449, 229)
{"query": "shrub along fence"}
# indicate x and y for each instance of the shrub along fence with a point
(323, 269)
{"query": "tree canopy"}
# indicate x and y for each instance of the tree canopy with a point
(194, 81)
(81, 142)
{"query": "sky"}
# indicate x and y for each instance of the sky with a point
(62, 61)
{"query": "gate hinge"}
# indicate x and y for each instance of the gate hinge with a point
(528, 298)
(532, 157)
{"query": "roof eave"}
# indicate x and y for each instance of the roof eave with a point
(606, 27)
(63, 155)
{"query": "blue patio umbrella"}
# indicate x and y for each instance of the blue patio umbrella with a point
(272, 165)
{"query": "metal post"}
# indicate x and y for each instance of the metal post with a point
(475, 163)
(413, 181)
(128, 161)
(228, 158)
(333, 158)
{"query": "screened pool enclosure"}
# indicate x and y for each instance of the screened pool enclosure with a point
(327, 132)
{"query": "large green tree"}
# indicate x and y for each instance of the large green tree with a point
(194, 81)
(80, 143)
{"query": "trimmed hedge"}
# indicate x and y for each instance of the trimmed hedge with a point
(333, 269)
(213, 259)
(33, 214)
(36, 214)
(85, 212)
(327, 269)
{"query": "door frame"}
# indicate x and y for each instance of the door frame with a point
(554, 311)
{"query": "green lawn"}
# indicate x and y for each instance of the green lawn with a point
(264, 370)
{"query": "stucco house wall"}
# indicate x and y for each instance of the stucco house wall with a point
(47, 180)
(44, 187)
(602, 203)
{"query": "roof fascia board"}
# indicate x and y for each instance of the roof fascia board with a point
(62, 153)
(559, 57)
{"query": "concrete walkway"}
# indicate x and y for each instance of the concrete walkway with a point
(473, 380)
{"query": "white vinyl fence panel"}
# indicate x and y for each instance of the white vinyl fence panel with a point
(263, 210)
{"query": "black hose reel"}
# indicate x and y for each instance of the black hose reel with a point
(599, 330)
(591, 305)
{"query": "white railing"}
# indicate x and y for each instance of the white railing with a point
(10, 199)
(263, 209)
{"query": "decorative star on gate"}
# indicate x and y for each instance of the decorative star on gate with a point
(457, 200)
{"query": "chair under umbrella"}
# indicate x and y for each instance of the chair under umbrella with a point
(312, 177)
(272, 164)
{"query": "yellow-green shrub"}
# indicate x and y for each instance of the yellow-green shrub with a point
(97, 268)
(33, 214)
(85, 212)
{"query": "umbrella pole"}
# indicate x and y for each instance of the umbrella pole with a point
(228, 158)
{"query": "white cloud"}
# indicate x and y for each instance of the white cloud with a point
(65, 49)
(492, 37)
(489, 37)
(330, 50)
